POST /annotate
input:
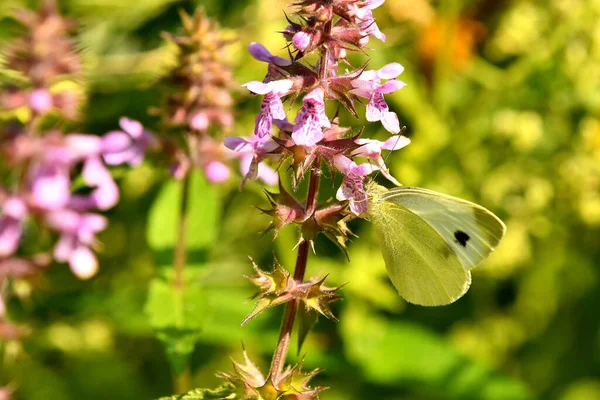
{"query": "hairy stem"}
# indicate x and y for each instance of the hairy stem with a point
(289, 316)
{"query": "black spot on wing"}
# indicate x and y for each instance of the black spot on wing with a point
(462, 238)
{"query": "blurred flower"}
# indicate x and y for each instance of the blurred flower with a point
(5, 393)
(198, 89)
(14, 212)
(78, 232)
(126, 146)
(40, 101)
(50, 183)
(252, 151)
(259, 52)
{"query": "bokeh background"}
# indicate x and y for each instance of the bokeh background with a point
(503, 108)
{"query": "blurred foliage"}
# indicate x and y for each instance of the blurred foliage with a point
(503, 108)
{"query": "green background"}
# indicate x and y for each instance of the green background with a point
(502, 107)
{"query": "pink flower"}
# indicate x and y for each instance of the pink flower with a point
(106, 192)
(311, 119)
(352, 187)
(14, 212)
(50, 184)
(216, 171)
(372, 149)
(271, 107)
(126, 146)
(78, 233)
(40, 101)
(251, 152)
(369, 85)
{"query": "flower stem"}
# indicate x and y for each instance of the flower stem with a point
(180, 255)
(182, 383)
(292, 307)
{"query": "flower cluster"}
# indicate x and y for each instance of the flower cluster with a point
(58, 180)
(304, 143)
(48, 165)
(199, 102)
(332, 28)
(47, 56)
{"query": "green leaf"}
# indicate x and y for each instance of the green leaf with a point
(409, 354)
(202, 218)
(307, 318)
(177, 314)
(223, 392)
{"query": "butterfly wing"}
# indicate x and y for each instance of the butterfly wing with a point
(471, 231)
(422, 266)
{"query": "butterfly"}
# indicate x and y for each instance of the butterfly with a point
(431, 241)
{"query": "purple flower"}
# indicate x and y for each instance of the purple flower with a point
(301, 40)
(369, 85)
(40, 101)
(371, 149)
(252, 151)
(106, 192)
(50, 184)
(126, 146)
(78, 233)
(216, 171)
(310, 120)
(14, 212)
(199, 121)
(259, 52)
(352, 187)
(271, 107)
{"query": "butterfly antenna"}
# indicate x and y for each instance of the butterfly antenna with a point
(400, 134)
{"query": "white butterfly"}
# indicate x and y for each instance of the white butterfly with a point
(431, 241)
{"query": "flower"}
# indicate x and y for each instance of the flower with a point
(367, 23)
(352, 187)
(252, 151)
(301, 40)
(15, 211)
(40, 101)
(106, 192)
(260, 52)
(369, 85)
(126, 146)
(216, 171)
(310, 120)
(371, 149)
(271, 107)
(78, 232)
(50, 183)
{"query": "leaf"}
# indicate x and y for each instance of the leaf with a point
(306, 320)
(224, 392)
(406, 353)
(177, 315)
(202, 218)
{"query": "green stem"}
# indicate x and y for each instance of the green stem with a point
(182, 383)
